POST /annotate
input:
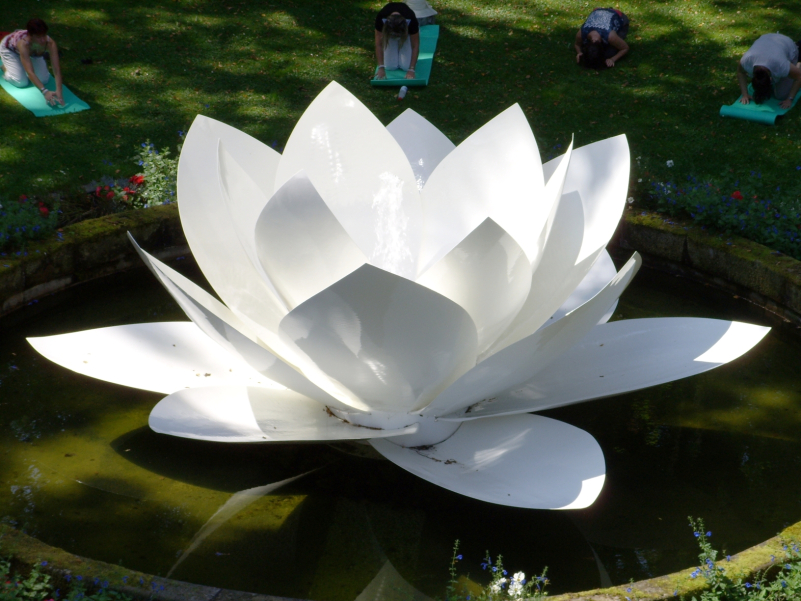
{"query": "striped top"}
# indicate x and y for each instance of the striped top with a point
(13, 39)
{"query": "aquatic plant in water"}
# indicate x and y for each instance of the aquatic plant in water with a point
(381, 284)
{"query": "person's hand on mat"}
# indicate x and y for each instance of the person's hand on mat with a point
(410, 74)
(52, 98)
(745, 99)
(786, 104)
(610, 62)
(381, 74)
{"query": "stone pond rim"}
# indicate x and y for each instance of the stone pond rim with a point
(99, 247)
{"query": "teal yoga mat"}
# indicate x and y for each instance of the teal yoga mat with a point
(767, 112)
(428, 44)
(33, 100)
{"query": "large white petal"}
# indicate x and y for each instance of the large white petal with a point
(522, 461)
(227, 330)
(300, 243)
(599, 172)
(627, 355)
(422, 143)
(393, 343)
(239, 414)
(598, 177)
(208, 225)
(488, 275)
(598, 277)
(363, 176)
(521, 361)
(162, 357)
(497, 173)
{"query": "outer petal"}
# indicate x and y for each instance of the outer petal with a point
(521, 361)
(523, 461)
(622, 356)
(393, 343)
(598, 175)
(162, 357)
(598, 277)
(301, 245)
(363, 175)
(422, 143)
(496, 173)
(238, 414)
(488, 275)
(222, 326)
(208, 226)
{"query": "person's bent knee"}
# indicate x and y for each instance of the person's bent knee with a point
(21, 82)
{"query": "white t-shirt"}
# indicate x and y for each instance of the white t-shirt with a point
(774, 51)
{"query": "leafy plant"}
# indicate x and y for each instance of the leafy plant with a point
(781, 582)
(24, 220)
(748, 208)
(502, 586)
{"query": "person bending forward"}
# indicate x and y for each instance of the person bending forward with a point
(23, 52)
(397, 39)
(601, 40)
(772, 62)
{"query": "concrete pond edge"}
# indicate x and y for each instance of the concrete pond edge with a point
(99, 247)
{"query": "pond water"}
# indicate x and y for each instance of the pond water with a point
(80, 469)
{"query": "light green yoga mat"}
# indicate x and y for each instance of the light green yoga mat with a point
(428, 44)
(767, 112)
(33, 100)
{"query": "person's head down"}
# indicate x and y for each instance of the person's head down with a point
(762, 84)
(395, 26)
(593, 52)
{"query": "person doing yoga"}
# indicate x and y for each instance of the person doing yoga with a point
(397, 40)
(772, 62)
(23, 52)
(600, 42)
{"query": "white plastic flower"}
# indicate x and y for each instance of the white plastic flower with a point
(379, 283)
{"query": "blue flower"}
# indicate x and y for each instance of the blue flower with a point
(44, 563)
(459, 557)
(709, 533)
(747, 585)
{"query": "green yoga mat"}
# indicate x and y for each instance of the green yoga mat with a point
(33, 100)
(767, 112)
(428, 44)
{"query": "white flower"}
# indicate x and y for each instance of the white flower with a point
(639, 181)
(497, 586)
(630, 200)
(670, 163)
(380, 283)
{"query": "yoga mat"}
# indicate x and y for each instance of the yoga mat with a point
(33, 100)
(767, 112)
(425, 58)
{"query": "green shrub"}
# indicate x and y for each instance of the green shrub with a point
(749, 208)
(23, 220)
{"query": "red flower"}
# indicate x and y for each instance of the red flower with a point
(97, 190)
(736, 195)
(126, 189)
(23, 198)
(43, 209)
(110, 195)
(137, 179)
(106, 188)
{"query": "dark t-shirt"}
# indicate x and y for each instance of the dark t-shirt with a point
(397, 7)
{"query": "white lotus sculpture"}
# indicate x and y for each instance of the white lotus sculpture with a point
(381, 284)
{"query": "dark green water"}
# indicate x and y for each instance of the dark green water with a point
(80, 469)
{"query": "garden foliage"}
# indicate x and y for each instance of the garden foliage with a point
(24, 220)
(749, 208)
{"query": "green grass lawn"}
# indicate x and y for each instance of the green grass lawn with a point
(257, 65)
